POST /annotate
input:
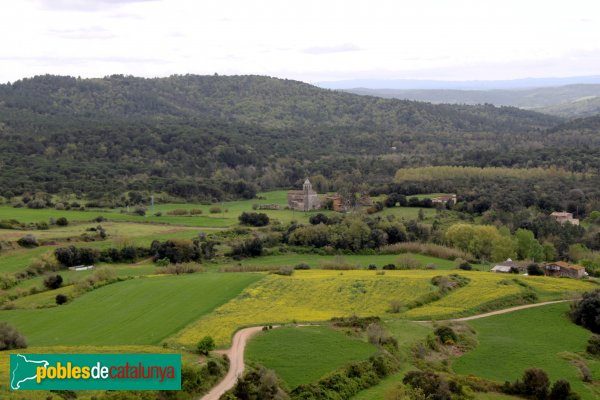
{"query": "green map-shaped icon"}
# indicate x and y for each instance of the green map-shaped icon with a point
(24, 370)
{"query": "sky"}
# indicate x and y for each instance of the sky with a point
(312, 41)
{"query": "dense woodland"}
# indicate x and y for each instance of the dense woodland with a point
(212, 137)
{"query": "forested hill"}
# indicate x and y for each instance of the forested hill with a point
(216, 137)
(252, 100)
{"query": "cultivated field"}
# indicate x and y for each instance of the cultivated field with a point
(540, 337)
(319, 295)
(301, 355)
(136, 311)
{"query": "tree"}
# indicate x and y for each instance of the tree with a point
(254, 219)
(586, 312)
(205, 345)
(561, 390)
(53, 282)
(528, 248)
(10, 338)
(536, 383)
(28, 241)
(61, 299)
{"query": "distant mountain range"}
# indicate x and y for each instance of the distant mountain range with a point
(407, 84)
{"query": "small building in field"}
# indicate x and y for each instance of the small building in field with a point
(562, 268)
(446, 199)
(304, 200)
(510, 266)
(563, 217)
(81, 268)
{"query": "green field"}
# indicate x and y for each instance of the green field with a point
(301, 355)
(360, 261)
(138, 311)
(532, 338)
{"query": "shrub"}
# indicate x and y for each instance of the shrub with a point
(36, 204)
(408, 262)
(433, 386)
(196, 211)
(61, 299)
(59, 206)
(248, 248)
(535, 270)
(53, 282)
(28, 241)
(10, 338)
(62, 221)
(285, 271)
(395, 306)
(372, 267)
(430, 249)
(139, 210)
(254, 219)
(302, 266)
(446, 335)
(561, 390)
(215, 210)
(178, 211)
(586, 312)
(593, 346)
(180, 269)
(205, 345)
(535, 384)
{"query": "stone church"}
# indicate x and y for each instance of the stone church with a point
(304, 200)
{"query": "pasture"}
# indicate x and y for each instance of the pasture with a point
(137, 311)
(301, 355)
(540, 337)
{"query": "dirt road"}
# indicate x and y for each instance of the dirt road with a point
(504, 311)
(236, 360)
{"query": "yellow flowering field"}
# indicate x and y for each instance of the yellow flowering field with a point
(318, 295)
(314, 295)
(485, 288)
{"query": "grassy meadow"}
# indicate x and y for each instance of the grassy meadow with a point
(541, 337)
(136, 311)
(301, 355)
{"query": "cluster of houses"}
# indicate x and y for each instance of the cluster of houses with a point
(555, 268)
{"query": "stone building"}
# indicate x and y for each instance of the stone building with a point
(304, 200)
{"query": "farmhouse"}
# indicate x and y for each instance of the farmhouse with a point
(304, 200)
(562, 268)
(446, 199)
(509, 266)
(564, 217)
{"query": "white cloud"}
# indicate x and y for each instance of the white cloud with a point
(302, 39)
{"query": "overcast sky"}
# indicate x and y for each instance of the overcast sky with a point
(301, 39)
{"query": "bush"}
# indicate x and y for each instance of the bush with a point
(285, 271)
(139, 210)
(196, 211)
(535, 384)
(42, 226)
(561, 390)
(248, 248)
(254, 219)
(61, 299)
(372, 267)
(406, 261)
(28, 241)
(302, 266)
(586, 312)
(215, 210)
(395, 306)
(389, 267)
(206, 345)
(53, 282)
(62, 221)
(434, 386)
(180, 269)
(10, 338)
(446, 335)
(535, 270)
(593, 346)
(178, 211)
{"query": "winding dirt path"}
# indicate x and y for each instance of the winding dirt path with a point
(236, 362)
(498, 312)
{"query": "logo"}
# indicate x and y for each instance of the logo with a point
(95, 371)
